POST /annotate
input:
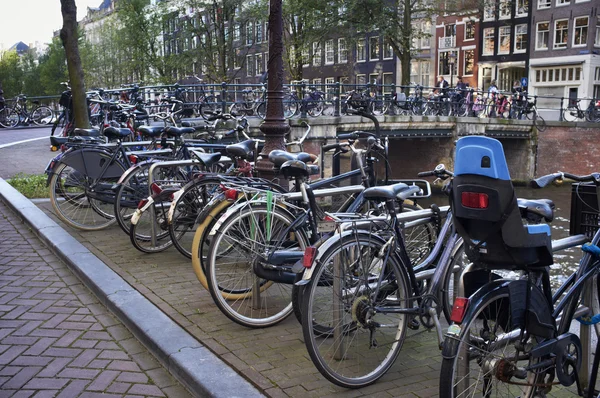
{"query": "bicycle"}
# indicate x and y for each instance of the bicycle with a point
(252, 103)
(10, 117)
(526, 109)
(512, 336)
(574, 112)
(313, 101)
(363, 100)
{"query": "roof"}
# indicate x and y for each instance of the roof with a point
(19, 47)
(105, 4)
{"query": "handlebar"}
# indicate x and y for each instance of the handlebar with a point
(355, 135)
(543, 181)
(439, 172)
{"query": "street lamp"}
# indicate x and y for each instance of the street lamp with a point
(451, 61)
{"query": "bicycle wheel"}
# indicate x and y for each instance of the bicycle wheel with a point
(238, 109)
(482, 361)
(185, 211)
(378, 107)
(70, 197)
(290, 106)
(9, 118)
(42, 115)
(315, 108)
(351, 344)
(238, 246)
(261, 110)
(538, 121)
(140, 233)
(208, 107)
(570, 114)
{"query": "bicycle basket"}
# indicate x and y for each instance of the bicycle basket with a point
(584, 210)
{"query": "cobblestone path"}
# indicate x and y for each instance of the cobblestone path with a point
(56, 339)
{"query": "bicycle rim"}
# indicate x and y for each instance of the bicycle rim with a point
(244, 239)
(42, 116)
(140, 234)
(69, 198)
(351, 344)
(8, 118)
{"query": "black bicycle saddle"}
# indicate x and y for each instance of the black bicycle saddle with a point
(116, 133)
(279, 157)
(179, 131)
(150, 131)
(397, 191)
(244, 149)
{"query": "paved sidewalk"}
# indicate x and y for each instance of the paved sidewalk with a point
(56, 339)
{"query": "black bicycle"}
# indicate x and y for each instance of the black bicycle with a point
(10, 117)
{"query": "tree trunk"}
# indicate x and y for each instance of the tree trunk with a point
(69, 37)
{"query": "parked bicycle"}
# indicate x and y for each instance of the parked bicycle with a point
(574, 113)
(252, 104)
(18, 113)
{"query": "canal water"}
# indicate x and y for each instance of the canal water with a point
(565, 261)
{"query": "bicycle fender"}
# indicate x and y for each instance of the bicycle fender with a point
(89, 162)
(323, 248)
(134, 168)
(537, 321)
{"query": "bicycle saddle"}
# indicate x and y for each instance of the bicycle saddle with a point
(279, 157)
(543, 208)
(150, 131)
(298, 169)
(179, 131)
(87, 132)
(244, 149)
(397, 191)
(115, 133)
(207, 159)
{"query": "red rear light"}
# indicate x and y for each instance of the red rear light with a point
(155, 188)
(231, 194)
(459, 309)
(474, 200)
(133, 159)
(309, 256)
(63, 148)
(142, 203)
(328, 218)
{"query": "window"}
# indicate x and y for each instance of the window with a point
(504, 9)
(504, 35)
(544, 4)
(259, 64)
(388, 79)
(236, 61)
(419, 72)
(561, 32)
(329, 53)
(361, 79)
(446, 61)
(469, 62)
(450, 30)
(488, 41)
(597, 41)
(236, 32)
(541, 39)
(374, 48)
(316, 53)
(317, 82)
(342, 53)
(249, 65)
(489, 10)
(374, 78)
(562, 2)
(259, 32)
(521, 38)
(249, 33)
(388, 51)
(580, 31)
(330, 85)
(426, 34)
(522, 8)
(305, 56)
(470, 30)
(361, 54)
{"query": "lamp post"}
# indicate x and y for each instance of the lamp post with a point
(275, 125)
(451, 61)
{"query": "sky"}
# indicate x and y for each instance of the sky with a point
(34, 20)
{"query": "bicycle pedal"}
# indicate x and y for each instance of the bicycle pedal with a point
(414, 324)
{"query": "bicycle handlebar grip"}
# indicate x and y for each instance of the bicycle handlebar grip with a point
(349, 136)
(542, 181)
(426, 174)
(230, 132)
(329, 147)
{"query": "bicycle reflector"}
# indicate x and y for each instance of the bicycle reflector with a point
(474, 200)
(142, 203)
(309, 256)
(459, 309)
(231, 194)
(155, 188)
(133, 159)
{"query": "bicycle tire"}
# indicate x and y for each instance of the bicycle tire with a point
(538, 121)
(378, 107)
(208, 107)
(248, 232)
(261, 110)
(492, 311)
(327, 326)
(140, 233)
(290, 106)
(184, 221)
(571, 115)
(315, 107)
(9, 118)
(42, 115)
(69, 198)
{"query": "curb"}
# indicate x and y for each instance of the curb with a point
(192, 364)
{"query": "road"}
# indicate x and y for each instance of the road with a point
(24, 150)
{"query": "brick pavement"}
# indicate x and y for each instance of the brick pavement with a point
(275, 359)
(56, 339)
